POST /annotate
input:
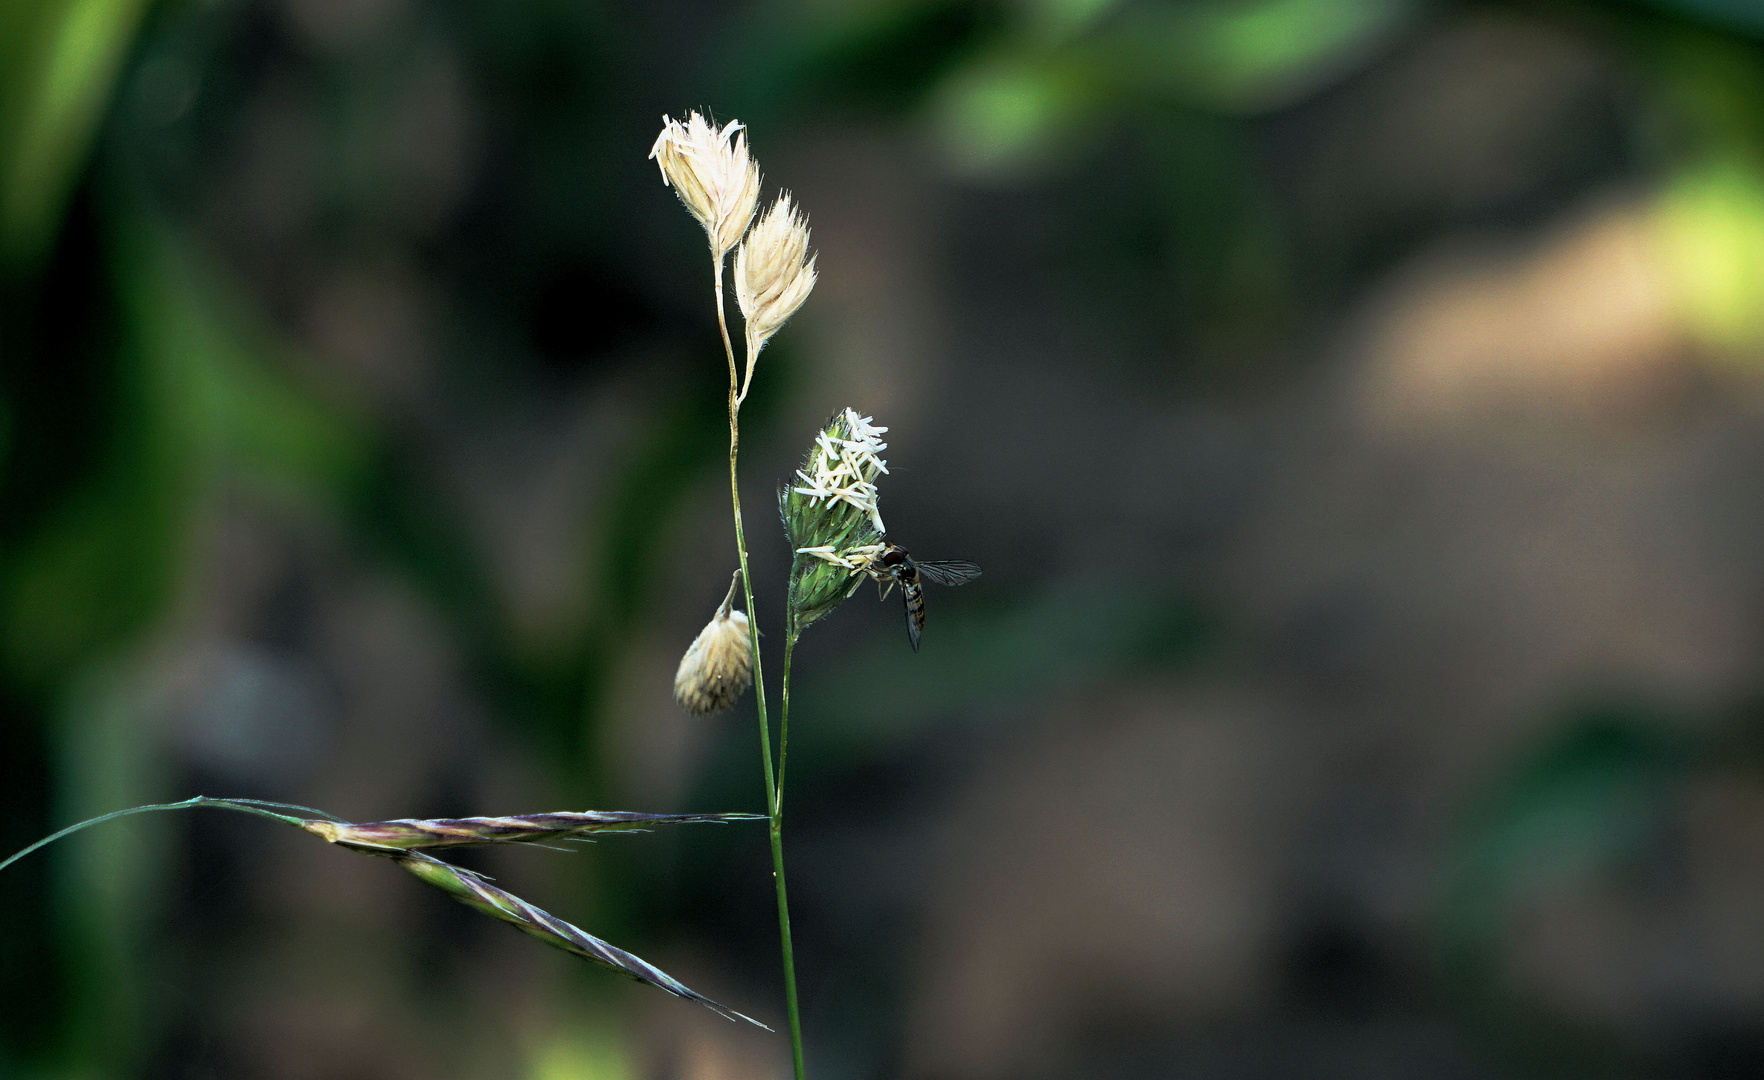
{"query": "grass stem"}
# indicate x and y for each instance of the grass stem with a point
(774, 794)
(244, 806)
(791, 633)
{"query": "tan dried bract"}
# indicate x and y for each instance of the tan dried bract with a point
(774, 274)
(710, 169)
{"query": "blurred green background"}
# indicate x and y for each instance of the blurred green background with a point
(1356, 406)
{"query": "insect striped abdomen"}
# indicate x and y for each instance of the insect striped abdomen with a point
(914, 596)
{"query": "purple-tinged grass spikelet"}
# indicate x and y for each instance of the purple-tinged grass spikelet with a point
(473, 891)
(409, 834)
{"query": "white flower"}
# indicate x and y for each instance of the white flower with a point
(826, 554)
(862, 556)
(858, 560)
(843, 469)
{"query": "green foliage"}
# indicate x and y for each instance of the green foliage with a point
(59, 61)
(197, 396)
(1589, 804)
(1008, 93)
(1741, 15)
(1586, 800)
(874, 59)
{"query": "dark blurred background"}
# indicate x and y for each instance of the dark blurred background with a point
(1357, 406)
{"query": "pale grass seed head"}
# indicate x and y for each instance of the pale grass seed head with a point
(710, 169)
(718, 666)
(774, 274)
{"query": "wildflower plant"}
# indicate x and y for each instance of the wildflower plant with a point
(837, 539)
(829, 507)
(717, 180)
(775, 273)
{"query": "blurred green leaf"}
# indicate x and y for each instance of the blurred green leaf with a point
(881, 56)
(1040, 97)
(1746, 15)
(59, 62)
(1249, 55)
(1711, 225)
(1011, 112)
(1709, 218)
(196, 393)
(1589, 797)
(226, 386)
(108, 883)
(1590, 802)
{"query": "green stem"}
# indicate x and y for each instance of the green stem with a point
(789, 952)
(774, 795)
(778, 849)
(198, 800)
(791, 633)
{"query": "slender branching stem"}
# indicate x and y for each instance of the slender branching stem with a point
(774, 799)
(256, 807)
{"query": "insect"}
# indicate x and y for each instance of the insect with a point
(895, 567)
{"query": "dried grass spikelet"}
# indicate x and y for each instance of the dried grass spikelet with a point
(409, 834)
(474, 892)
(710, 169)
(393, 839)
(718, 666)
(774, 274)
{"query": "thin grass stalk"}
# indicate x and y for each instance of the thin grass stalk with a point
(791, 633)
(789, 952)
(774, 794)
(185, 804)
(778, 850)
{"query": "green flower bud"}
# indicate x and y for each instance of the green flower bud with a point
(830, 516)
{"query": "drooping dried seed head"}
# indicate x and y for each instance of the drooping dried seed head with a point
(718, 666)
(774, 274)
(710, 169)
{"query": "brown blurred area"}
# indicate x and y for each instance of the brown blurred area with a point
(1356, 407)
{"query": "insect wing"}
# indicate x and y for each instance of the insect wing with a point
(950, 572)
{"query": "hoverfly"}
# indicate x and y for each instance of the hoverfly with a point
(895, 567)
